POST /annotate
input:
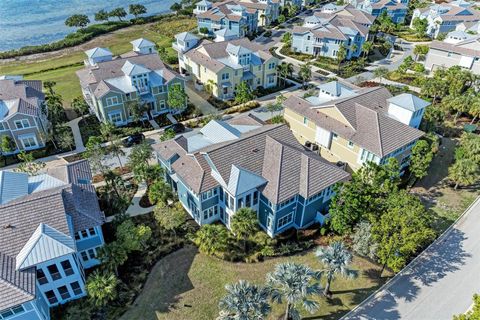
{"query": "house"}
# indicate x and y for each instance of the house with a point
(51, 229)
(240, 163)
(443, 18)
(23, 116)
(458, 49)
(395, 9)
(111, 85)
(472, 27)
(325, 31)
(352, 125)
(221, 66)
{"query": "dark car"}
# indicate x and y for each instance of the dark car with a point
(133, 139)
(178, 127)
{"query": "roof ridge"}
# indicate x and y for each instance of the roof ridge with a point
(378, 131)
(279, 174)
(31, 197)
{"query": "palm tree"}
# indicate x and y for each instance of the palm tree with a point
(295, 283)
(159, 191)
(284, 70)
(244, 301)
(108, 132)
(112, 255)
(244, 224)
(102, 288)
(367, 46)
(380, 73)
(336, 259)
(211, 239)
(463, 172)
(305, 73)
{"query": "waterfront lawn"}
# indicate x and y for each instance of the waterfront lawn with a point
(60, 67)
(188, 285)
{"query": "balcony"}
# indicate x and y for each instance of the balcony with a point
(178, 47)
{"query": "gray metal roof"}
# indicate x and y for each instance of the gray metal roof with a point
(409, 101)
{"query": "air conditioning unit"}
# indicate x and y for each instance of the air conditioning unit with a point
(308, 144)
(314, 147)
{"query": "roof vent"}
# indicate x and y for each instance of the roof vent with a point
(8, 226)
(255, 150)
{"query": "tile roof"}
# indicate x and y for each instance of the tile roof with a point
(365, 120)
(23, 96)
(270, 152)
(458, 47)
(16, 287)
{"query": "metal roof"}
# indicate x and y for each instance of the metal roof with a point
(409, 101)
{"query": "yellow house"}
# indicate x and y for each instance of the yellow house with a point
(354, 125)
(221, 66)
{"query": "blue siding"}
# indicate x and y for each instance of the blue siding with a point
(89, 243)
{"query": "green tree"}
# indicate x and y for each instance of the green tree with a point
(363, 243)
(7, 145)
(177, 98)
(80, 106)
(108, 132)
(336, 259)
(133, 237)
(28, 164)
(305, 74)
(380, 73)
(212, 239)
(244, 223)
(273, 107)
(101, 15)
(118, 13)
(341, 55)
(287, 38)
(77, 21)
(102, 288)
(203, 30)
(244, 301)
(54, 102)
(297, 284)
(138, 110)
(65, 138)
(284, 70)
(138, 160)
(243, 93)
(168, 135)
(402, 230)
(463, 172)
(421, 158)
(137, 9)
(282, 19)
(420, 26)
(112, 255)
(114, 184)
(159, 192)
(170, 218)
(176, 7)
(367, 47)
(473, 313)
(95, 153)
(420, 51)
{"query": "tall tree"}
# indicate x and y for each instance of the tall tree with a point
(133, 237)
(212, 239)
(402, 230)
(112, 255)
(95, 153)
(244, 224)
(420, 26)
(305, 73)
(297, 284)
(421, 158)
(170, 218)
(244, 301)
(139, 159)
(137, 9)
(177, 98)
(463, 172)
(367, 47)
(420, 51)
(363, 243)
(102, 288)
(341, 55)
(102, 15)
(77, 21)
(244, 93)
(160, 192)
(380, 73)
(80, 106)
(118, 13)
(336, 259)
(108, 131)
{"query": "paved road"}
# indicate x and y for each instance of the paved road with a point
(441, 282)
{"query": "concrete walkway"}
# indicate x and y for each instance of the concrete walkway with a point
(135, 209)
(77, 136)
(394, 83)
(154, 124)
(205, 107)
(171, 118)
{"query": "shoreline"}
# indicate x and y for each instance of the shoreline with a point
(148, 20)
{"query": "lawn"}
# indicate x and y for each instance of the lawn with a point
(60, 67)
(188, 285)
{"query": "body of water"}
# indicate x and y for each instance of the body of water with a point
(33, 22)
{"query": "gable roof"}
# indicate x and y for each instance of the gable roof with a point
(12, 185)
(20, 96)
(45, 244)
(98, 52)
(409, 101)
(367, 123)
(185, 36)
(142, 43)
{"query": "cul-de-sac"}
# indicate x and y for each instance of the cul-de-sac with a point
(240, 160)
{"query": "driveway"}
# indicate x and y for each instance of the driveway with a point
(440, 283)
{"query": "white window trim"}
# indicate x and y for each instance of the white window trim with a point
(111, 114)
(110, 103)
(22, 137)
(286, 224)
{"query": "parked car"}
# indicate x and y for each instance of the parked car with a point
(133, 139)
(178, 128)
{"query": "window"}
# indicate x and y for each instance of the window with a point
(222, 214)
(41, 278)
(84, 234)
(271, 65)
(91, 253)
(308, 37)
(248, 200)
(76, 288)
(84, 256)
(225, 76)
(111, 101)
(51, 297)
(220, 195)
(115, 117)
(305, 121)
(210, 212)
(2, 126)
(28, 142)
(285, 220)
(77, 236)
(231, 202)
(255, 198)
(64, 292)
(20, 124)
(67, 267)
(161, 104)
(269, 222)
(11, 311)
(240, 203)
(334, 136)
(92, 232)
(54, 272)
(350, 144)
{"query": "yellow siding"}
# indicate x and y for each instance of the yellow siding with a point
(301, 131)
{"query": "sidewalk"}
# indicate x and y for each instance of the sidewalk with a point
(135, 209)
(199, 102)
(77, 136)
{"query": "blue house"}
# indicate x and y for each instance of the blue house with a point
(244, 163)
(396, 9)
(51, 229)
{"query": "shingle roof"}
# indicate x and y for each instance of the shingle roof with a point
(458, 47)
(24, 96)
(16, 287)
(270, 152)
(365, 120)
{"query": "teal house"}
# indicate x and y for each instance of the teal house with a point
(242, 162)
